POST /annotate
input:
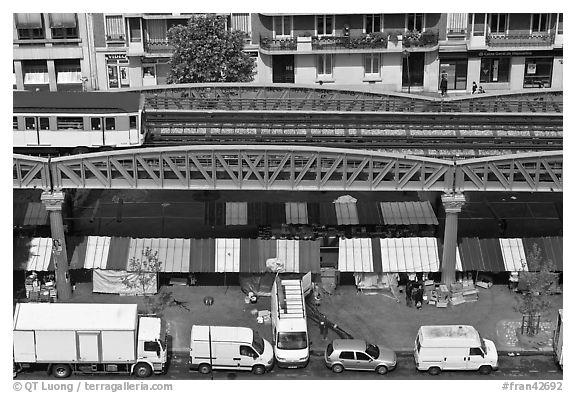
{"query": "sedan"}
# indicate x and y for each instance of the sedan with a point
(359, 355)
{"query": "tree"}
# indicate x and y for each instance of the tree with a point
(536, 298)
(205, 51)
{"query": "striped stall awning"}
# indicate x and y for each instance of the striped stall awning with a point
(33, 254)
(346, 213)
(481, 255)
(513, 254)
(296, 213)
(550, 249)
(29, 214)
(196, 255)
(389, 255)
(408, 213)
(236, 213)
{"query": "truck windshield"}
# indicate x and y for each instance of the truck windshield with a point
(295, 340)
(372, 350)
(483, 345)
(258, 343)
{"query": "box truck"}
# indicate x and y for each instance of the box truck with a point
(558, 341)
(229, 348)
(66, 338)
(289, 329)
(453, 347)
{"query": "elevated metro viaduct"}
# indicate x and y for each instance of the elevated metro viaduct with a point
(284, 168)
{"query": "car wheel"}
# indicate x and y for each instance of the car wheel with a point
(142, 370)
(382, 370)
(61, 371)
(434, 370)
(259, 369)
(204, 368)
(337, 368)
(485, 370)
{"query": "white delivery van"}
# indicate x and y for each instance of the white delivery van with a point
(558, 340)
(453, 347)
(229, 348)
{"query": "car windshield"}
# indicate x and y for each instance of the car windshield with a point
(373, 350)
(483, 346)
(258, 343)
(295, 340)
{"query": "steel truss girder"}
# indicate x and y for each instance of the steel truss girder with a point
(252, 168)
(30, 172)
(533, 172)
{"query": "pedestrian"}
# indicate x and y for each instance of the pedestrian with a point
(443, 83)
(419, 297)
(409, 293)
(323, 328)
(481, 90)
(513, 281)
(474, 87)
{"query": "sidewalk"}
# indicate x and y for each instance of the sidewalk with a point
(375, 318)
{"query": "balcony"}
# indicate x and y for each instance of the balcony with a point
(520, 39)
(158, 46)
(365, 41)
(416, 39)
(278, 44)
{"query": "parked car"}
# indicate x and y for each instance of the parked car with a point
(345, 354)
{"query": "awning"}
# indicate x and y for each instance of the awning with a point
(513, 254)
(346, 213)
(227, 256)
(63, 20)
(173, 254)
(296, 213)
(30, 214)
(28, 21)
(33, 254)
(481, 255)
(407, 213)
(550, 249)
(389, 255)
(236, 213)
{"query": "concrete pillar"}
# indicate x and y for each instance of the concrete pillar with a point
(452, 205)
(53, 202)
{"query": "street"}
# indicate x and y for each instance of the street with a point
(534, 367)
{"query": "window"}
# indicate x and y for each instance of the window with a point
(476, 352)
(110, 124)
(346, 355)
(324, 25)
(95, 123)
(538, 72)
(30, 123)
(372, 23)
(69, 123)
(151, 346)
(35, 72)
(415, 22)
(133, 122)
(282, 26)
(495, 70)
(324, 65)
(247, 351)
(134, 29)
(362, 356)
(372, 64)
(294, 340)
(498, 23)
(479, 24)
(258, 343)
(560, 23)
(539, 23)
(68, 71)
(114, 28)
(44, 123)
(14, 123)
(456, 70)
(29, 26)
(63, 26)
(329, 349)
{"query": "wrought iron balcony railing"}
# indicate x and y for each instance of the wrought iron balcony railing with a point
(278, 43)
(520, 39)
(365, 41)
(158, 46)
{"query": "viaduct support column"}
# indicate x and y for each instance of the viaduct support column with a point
(53, 202)
(452, 205)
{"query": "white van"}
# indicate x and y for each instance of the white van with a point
(229, 348)
(558, 339)
(453, 347)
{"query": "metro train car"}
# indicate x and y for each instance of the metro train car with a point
(64, 122)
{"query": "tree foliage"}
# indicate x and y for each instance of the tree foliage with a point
(142, 272)
(205, 51)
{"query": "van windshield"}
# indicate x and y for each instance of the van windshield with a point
(258, 343)
(293, 340)
(483, 345)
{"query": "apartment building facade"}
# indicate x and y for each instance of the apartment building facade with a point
(383, 52)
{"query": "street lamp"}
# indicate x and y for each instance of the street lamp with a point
(406, 55)
(209, 301)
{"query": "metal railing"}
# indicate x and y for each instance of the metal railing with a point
(520, 39)
(365, 41)
(278, 44)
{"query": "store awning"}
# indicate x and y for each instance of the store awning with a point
(296, 213)
(173, 254)
(550, 249)
(481, 255)
(346, 213)
(389, 255)
(67, 20)
(297, 256)
(29, 214)
(408, 213)
(33, 254)
(236, 213)
(513, 255)
(28, 21)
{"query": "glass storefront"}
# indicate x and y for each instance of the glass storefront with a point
(538, 72)
(495, 70)
(413, 69)
(117, 70)
(457, 71)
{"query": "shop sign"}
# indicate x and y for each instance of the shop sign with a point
(116, 56)
(504, 53)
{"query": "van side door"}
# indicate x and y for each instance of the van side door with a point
(455, 358)
(475, 359)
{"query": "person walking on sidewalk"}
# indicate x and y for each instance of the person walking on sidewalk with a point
(443, 83)
(409, 293)
(323, 328)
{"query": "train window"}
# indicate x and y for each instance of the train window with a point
(69, 123)
(14, 123)
(110, 124)
(133, 122)
(44, 123)
(96, 123)
(30, 123)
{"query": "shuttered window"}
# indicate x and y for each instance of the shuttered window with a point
(457, 23)
(114, 27)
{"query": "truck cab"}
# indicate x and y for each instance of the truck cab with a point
(152, 348)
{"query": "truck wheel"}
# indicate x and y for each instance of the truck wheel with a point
(485, 370)
(382, 370)
(142, 370)
(337, 368)
(259, 369)
(204, 368)
(434, 370)
(61, 370)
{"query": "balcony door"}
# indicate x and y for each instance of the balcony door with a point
(283, 69)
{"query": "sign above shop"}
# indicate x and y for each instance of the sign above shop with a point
(505, 53)
(116, 56)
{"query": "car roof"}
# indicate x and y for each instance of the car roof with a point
(349, 345)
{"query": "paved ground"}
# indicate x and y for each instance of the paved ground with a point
(376, 318)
